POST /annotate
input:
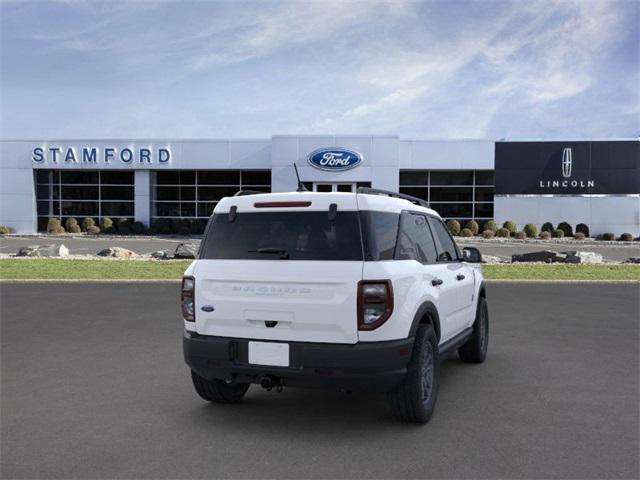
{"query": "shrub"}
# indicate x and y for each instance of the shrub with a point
(503, 233)
(124, 226)
(106, 225)
(608, 236)
(466, 232)
(488, 234)
(177, 225)
(547, 227)
(531, 230)
(557, 233)
(93, 230)
(583, 228)
(521, 235)
(74, 228)
(198, 226)
(52, 224)
(579, 236)
(626, 237)
(70, 222)
(473, 226)
(454, 227)
(57, 230)
(4, 230)
(491, 225)
(88, 222)
(161, 226)
(509, 225)
(546, 235)
(138, 228)
(566, 228)
(180, 226)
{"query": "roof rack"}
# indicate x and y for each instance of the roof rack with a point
(375, 191)
(242, 193)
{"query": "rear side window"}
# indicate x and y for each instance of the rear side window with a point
(283, 236)
(415, 241)
(380, 231)
(447, 248)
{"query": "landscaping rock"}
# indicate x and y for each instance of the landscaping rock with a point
(116, 252)
(546, 256)
(632, 260)
(160, 255)
(491, 259)
(53, 250)
(583, 257)
(186, 250)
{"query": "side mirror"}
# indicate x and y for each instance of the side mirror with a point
(471, 255)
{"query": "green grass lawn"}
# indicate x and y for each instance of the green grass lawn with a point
(92, 269)
(561, 272)
(52, 269)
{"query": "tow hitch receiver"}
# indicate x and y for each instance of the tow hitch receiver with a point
(268, 382)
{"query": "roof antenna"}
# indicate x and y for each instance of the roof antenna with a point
(301, 187)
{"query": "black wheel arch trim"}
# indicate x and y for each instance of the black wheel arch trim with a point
(426, 310)
(482, 291)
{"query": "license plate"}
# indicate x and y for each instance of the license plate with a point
(268, 353)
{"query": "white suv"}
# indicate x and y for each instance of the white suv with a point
(351, 291)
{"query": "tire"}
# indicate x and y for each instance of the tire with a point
(218, 391)
(474, 350)
(415, 398)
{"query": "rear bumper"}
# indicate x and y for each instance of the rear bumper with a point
(371, 366)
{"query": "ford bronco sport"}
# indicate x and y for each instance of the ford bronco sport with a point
(351, 291)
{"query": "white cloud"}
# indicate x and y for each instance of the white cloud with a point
(552, 58)
(291, 24)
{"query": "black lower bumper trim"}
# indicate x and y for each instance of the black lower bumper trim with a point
(370, 366)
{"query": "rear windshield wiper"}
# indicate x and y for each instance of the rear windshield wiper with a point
(284, 255)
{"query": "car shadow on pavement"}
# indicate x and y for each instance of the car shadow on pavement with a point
(298, 409)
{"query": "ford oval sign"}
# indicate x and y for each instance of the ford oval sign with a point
(334, 159)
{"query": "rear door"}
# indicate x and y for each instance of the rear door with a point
(285, 273)
(457, 277)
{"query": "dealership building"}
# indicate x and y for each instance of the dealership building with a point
(596, 182)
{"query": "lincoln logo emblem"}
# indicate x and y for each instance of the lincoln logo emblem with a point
(566, 162)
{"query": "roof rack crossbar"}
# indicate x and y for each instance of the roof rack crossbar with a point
(242, 193)
(376, 191)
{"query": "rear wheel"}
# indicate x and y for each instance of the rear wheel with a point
(218, 391)
(475, 349)
(415, 398)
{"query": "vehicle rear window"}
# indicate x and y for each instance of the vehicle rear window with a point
(283, 236)
(380, 231)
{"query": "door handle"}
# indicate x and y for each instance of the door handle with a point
(460, 277)
(436, 281)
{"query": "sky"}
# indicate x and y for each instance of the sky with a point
(230, 69)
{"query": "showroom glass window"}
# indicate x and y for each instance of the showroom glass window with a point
(458, 194)
(85, 193)
(195, 193)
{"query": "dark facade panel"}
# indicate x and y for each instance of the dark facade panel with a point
(553, 168)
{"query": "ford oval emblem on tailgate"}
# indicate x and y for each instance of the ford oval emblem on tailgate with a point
(207, 308)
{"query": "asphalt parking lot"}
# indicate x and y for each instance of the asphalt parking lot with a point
(93, 386)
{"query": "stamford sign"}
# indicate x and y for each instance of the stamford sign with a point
(95, 155)
(334, 159)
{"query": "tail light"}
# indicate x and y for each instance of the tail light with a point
(375, 303)
(187, 299)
